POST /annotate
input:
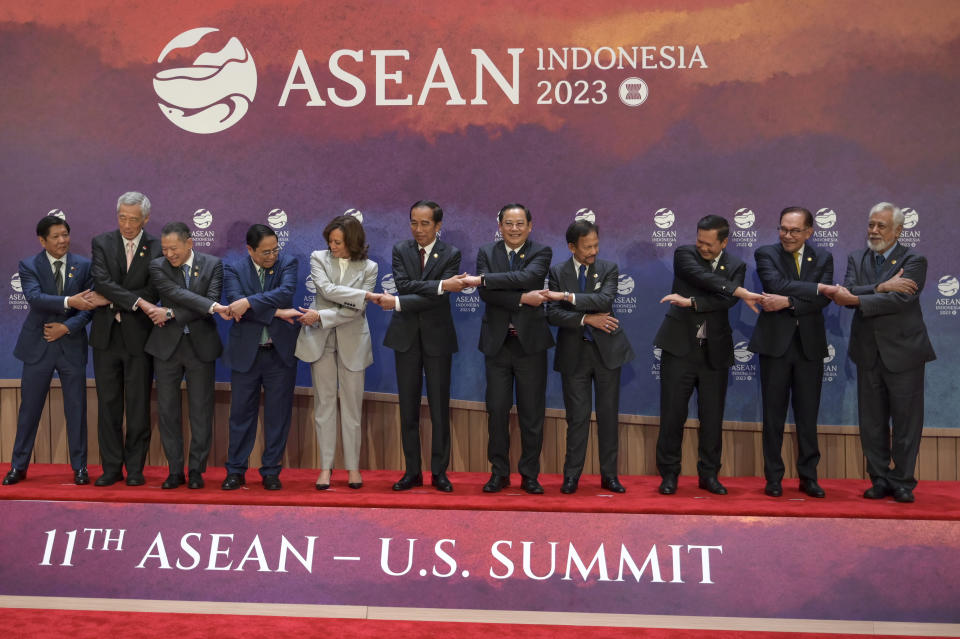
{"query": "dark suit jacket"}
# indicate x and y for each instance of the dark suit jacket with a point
(888, 324)
(122, 288)
(189, 306)
(713, 291)
(778, 274)
(423, 314)
(502, 291)
(40, 289)
(280, 283)
(602, 279)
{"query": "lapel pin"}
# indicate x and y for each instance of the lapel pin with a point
(722, 267)
(809, 259)
(595, 276)
(69, 274)
(521, 256)
(196, 273)
(435, 256)
(893, 261)
(270, 272)
(141, 253)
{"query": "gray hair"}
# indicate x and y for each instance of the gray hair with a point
(135, 198)
(893, 208)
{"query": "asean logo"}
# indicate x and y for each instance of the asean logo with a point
(831, 353)
(744, 218)
(657, 353)
(57, 213)
(212, 94)
(277, 218)
(388, 284)
(948, 285)
(633, 92)
(625, 284)
(355, 213)
(202, 218)
(15, 282)
(910, 218)
(311, 287)
(585, 215)
(664, 218)
(741, 353)
(826, 218)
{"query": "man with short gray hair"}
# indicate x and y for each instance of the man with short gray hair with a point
(890, 346)
(124, 372)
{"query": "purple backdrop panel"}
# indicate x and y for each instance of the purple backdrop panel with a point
(855, 569)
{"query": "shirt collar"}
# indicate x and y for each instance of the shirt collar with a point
(136, 240)
(428, 249)
(886, 254)
(518, 250)
(189, 261)
(53, 259)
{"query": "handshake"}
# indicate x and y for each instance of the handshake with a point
(453, 284)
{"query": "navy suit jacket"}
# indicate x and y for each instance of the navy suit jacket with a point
(888, 325)
(713, 291)
(502, 291)
(40, 289)
(423, 314)
(280, 283)
(778, 274)
(602, 280)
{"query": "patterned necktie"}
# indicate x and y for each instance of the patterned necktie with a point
(423, 258)
(130, 250)
(58, 276)
(511, 257)
(796, 258)
(262, 276)
(186, 274)
(582, 278)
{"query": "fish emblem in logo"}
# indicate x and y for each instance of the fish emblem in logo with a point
(388, 285)
(657, 353)
(311, 286)
(826, 218)
(910, 218)
(664, 218)
(625, 284)
(15, 282)
(948, 285)
(831, 353)
(741, 353)
(57, 213)
(744, 218)
(356, 213)
(585, 215)
(202, 218)
(214, 93)
(277, 218)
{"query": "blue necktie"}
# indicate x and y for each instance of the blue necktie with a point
(185, 268)
(587, 333)
(878, 261)
(264, 334)
(512, 258)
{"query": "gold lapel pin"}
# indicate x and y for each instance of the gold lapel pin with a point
(893, 261)
(196, 273)
(69, 274)
(269, 272)
(595, 275)
(809, 259)
(141, 254)
(435, 256)
(521, 256)
(722, 267)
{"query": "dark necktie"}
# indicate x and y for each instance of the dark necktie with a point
(511, 257)
(58, 276)
(423, 258)
(878, 261)
(185, 268)
(262, 276)
(587, 333)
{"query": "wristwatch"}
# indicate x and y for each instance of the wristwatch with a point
(169, 313)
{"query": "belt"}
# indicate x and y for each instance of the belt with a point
(266, 347)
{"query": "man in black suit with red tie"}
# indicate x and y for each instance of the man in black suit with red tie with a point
(591, 348)
(890, 346)
(697, 350)
(514, 337)
(124, 372)
(423, 337)
(791, 340)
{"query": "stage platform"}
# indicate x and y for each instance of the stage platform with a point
(735, 563)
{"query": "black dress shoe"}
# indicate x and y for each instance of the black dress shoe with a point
(812, 488)
(531, 485)
(108, 479)
(773, 488)
(570, 485)
(442, 483)
(612, 484)
(903, 495)
(173, 480)
(14, 476)
(356, 485)
(233, 481)
(712, 485)
(668, 485)
(81, 477)
(196, 479)
(272, 482)
(409, 481)
(877, 491)
(496, 483)
(135, 479)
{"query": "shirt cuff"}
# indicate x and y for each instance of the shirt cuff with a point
(66, 303)
(136, 303)
(210, 310)
(397, 306)
(573, 299)
(440, 290)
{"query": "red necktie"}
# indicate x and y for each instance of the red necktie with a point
(423, 258)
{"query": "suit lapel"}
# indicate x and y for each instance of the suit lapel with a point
(439, 250)
(569, 278)
(69, 274)
(893, 263)
(807, 261)
(44, 273)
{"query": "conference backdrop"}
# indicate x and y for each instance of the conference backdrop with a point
(642, 116)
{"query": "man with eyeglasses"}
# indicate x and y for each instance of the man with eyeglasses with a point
(791, 340)
(259, 290)
(890, 346)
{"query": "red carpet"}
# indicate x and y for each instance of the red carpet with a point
(35, 624)
(935, 500)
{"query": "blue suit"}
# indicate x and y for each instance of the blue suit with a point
(271, 366)
(67, 355)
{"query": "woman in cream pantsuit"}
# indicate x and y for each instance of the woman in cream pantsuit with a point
(335, 341)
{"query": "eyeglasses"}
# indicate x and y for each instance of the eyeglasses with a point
(270, 252)
(792, 232)
(514, 225)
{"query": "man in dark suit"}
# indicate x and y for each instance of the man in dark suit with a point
(792, 342)
(697, 350)
(124, 372)
(53, 338)
(184, 342)
(514, 337)
(890, 346)
(591, 348)
(263, 336)
(422, 335)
